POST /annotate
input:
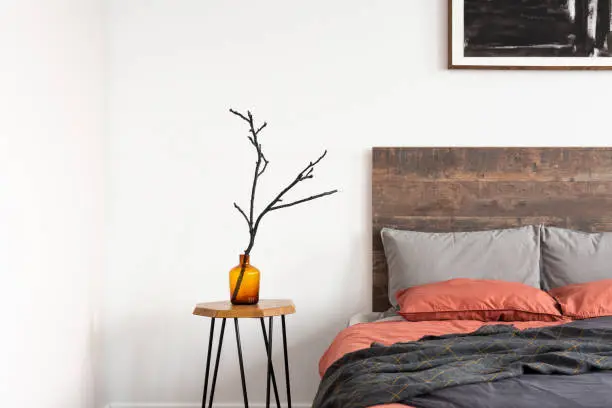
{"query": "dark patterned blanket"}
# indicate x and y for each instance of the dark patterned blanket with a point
(401, 372)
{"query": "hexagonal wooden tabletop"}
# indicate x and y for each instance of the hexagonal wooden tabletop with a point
(265, 308)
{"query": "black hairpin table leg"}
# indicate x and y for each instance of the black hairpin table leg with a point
(208, 357)
(286, 362)
(265, 337)
(269, 353)
(214, 381)
(244, 389)
(210, 343)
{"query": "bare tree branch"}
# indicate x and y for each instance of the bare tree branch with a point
(303, 200)
(311, 165)
(309, 174)
(260, 167)
(258, 172)
(265, 162)
(255, 176)
(261, 128)
(303, 175)
(243, 214)
(239, 114)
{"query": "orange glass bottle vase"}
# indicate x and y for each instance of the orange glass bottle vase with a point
(248, 293)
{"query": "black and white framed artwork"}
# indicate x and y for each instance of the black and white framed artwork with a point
(530, 34)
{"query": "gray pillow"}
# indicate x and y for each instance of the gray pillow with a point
(570, 257)
(416, 258)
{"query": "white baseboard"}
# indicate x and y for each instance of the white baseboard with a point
(197, 405)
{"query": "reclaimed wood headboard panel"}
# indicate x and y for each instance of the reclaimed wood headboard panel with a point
(469, 189)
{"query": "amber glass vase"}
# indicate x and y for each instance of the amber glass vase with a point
(248, 294)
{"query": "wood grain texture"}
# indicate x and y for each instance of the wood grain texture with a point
(265, 308)
(472, 189)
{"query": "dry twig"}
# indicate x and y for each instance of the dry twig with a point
(260, 167)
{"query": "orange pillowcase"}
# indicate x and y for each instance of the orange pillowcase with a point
(474, 299)
(585, 300)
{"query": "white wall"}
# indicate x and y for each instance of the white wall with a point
(51, 194)
(344, 75)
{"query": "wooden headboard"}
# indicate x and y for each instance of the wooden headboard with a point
(469, 189)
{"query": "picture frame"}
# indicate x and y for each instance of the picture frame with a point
(530, 34)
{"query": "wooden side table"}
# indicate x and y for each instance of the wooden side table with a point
(225, 310)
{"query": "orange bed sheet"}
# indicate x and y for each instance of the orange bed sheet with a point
(362, 335)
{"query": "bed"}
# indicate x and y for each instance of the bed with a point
(478, 189)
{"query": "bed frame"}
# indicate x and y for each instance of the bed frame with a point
(469, 189)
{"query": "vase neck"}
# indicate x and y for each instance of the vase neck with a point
(245, 259)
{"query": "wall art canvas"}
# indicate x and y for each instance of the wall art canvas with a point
(530, 34)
